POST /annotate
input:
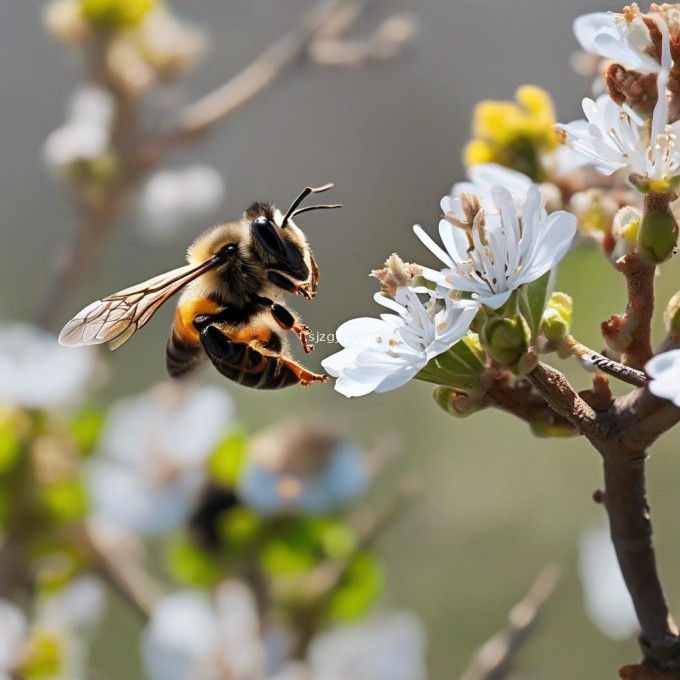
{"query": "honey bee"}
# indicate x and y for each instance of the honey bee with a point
(231, 309)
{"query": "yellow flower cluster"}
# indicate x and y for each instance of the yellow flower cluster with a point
(116, 13)
(514, 134)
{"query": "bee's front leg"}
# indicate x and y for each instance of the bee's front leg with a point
(288, 322)
(285, 283)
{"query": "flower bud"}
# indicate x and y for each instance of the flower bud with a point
(455, 403)
(556, 322)
(507, 339)
(657, 236)
(625, 228)
(461, 367)
(64, 20)
(671, 316)
(116, 14)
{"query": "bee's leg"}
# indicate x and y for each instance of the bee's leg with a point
(304, 376)
(284, 282)
(288, 322)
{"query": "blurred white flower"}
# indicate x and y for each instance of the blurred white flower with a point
(492, 254)
(606, 597)
(616, 137)
(623, 38)
(172, 197)
(79, 606)
(37, 372)
(55, 641)
(14, 628)
(85, 136)
(664, 370)
(192, 637)
(390, 647)
(152, 455)
(383, 354)
(299, 467)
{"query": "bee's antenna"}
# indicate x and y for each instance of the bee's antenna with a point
(305, 192)
(330, 206)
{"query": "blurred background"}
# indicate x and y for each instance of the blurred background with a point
(498, 504)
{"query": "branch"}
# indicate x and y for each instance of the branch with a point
(261, 73)
(494, 658)
(604, 364)
(126, 578)
(640, 276)
(556, 390)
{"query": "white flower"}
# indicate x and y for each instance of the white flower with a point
(85, 136)
(508, 250)
(153, 451)
(616, 138)
(483, 178)
(625, 40)
(384, 354)
(191, 637)
(79, 606)
(14, 629)
(664, 370)
(390, 647)
(172, 197)
(37, 372)
(607, 600)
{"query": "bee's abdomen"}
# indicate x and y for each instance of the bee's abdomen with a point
(180, 357)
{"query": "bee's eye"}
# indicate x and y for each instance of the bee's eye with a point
(229, 250)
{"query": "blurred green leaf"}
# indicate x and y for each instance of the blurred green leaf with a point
(337, 538)
(66, 501)
(191, 565)
(359, 589)
(225, 464)
(86, 429)
(10, 448)
(239, 527)
(45, 657)
(280, 558)
(532, 301)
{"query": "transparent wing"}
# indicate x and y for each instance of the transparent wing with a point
(116, 318)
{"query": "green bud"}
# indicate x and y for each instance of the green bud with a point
(507, 339)
(542, 429)
(115, 14)
(657, 237)
(461, 367)
(556, 322)
(671, 316)
(454, 403)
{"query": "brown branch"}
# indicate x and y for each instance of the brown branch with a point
(494, 659)
(640, 276)
(263, 72)
(562, 398)
(125, 577)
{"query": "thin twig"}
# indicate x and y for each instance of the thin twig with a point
(494, 659)
(604, 364)
(125, 577)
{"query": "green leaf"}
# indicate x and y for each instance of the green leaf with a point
(239, 527)
(86, 428)
(360, 588)
(10, 448)
(532, 300)
(191, 565)
(66, 501)
(280, 557)
(338, 539)
(460, 367)
(225, 464)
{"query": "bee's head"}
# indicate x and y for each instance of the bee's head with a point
(276, 239)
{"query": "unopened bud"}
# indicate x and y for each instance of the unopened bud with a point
(657, 237)
(625, 228)
(116, 14)
(671, 316)
(455, 403)
(507, 339)
(65, 21)
(556, 322)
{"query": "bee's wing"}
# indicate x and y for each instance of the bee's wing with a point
(115, 318)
